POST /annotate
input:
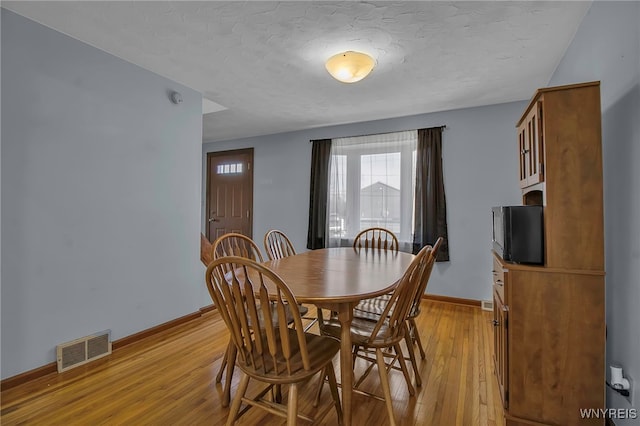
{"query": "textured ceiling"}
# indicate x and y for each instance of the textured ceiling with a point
(264, 61)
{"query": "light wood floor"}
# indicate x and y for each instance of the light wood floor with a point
(168, 379)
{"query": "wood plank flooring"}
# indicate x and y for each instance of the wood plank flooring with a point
(168, 379)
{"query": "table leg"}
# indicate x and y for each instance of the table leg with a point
(345, 315)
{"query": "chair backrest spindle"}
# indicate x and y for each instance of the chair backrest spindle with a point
(278, 245)
(234, 244)
(376, 238)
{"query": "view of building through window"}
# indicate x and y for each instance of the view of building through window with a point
(380, 191)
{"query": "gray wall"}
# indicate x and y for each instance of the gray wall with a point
(100, 194)
(480, 166)
(607, 48)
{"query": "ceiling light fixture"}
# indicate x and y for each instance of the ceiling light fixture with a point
(349, 67)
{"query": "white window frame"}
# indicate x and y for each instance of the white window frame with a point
(354, 153)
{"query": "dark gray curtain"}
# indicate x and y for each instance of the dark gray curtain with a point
(430, 207)
(320, 160)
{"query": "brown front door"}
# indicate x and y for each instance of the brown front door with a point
(229, 193)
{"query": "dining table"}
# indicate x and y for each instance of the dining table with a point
(337, 279)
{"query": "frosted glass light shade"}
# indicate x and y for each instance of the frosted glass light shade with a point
(349, 67)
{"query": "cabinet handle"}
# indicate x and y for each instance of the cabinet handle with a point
(524, 151)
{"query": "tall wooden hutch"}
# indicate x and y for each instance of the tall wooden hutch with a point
(549, 340)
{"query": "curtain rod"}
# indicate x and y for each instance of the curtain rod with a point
(444, 126)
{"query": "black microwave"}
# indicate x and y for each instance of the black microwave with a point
(518, 233)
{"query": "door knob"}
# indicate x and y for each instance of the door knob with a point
(213, 219)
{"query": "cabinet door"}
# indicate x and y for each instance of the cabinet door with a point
(523, 155)
(500, 353)
(531, 146)
(536, 146)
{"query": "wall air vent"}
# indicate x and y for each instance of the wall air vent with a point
(83, 350)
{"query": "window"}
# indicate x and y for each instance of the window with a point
(372, 183)
(225, 169)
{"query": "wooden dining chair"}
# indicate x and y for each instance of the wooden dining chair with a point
(372, 238)
(376, 238)
(232, 244)
(386, 333)
(265, 348)
(235, 244)
(412, 334)
(414, 312)
(278, 245)
(371, 309)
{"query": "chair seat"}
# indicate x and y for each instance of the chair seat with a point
(361, 331)
(321, 349)
(372, 308)
(274, 313)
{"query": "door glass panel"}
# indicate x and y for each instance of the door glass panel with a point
(225, 169)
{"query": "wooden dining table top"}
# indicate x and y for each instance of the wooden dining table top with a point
(341, 274)
(337, 279)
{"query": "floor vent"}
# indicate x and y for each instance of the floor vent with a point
(487, 305)
(83, 350)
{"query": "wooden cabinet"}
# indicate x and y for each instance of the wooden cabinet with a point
(549, 320)
(549, 332)
(531, 146)
(561, 132)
